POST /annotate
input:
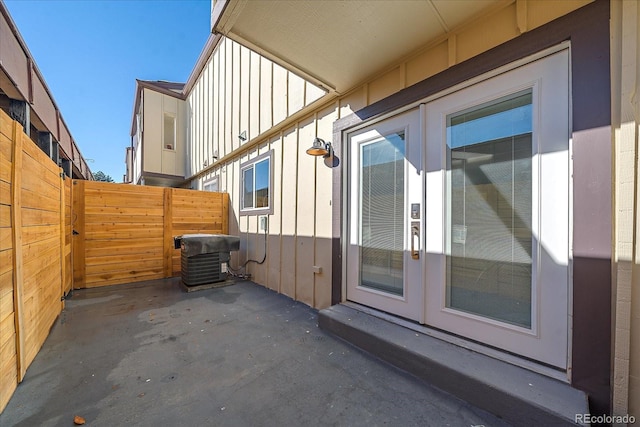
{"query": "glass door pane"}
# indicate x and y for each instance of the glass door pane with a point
(382, 205)
(489, 192)
(384, 265)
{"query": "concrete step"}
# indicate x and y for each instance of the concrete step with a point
(517, 395)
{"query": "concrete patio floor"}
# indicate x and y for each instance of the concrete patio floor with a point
(152, 354)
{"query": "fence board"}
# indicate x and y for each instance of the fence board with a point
(99, 218)
(35, 217)
(6, 262)
(42, 161)
(6, 239)
(100, 199)
(6, 147)
(111, 280)
(120, 277)
(5, 216)
(7, 343)
(38, 233)
(5, 193)
(16, 219)
(39, 177)
(114, 211)
(5, 169)
(190, 227)
(120, 257)
(129, 267)
(97, 247)
(47, 200)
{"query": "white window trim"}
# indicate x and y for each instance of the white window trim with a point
(249, 164)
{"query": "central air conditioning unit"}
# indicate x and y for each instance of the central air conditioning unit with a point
(204, 258)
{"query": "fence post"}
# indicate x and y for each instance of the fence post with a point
(16, 237)
(225, 213)
(63, 264)
(78, 231)
(168, 232)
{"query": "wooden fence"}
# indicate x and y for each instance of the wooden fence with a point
(57, 234)
(33, 251)
(124, 233)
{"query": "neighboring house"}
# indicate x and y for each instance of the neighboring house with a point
(158, 130)
(483, 180)
(25, 97)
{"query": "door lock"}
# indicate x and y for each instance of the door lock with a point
(415, 211)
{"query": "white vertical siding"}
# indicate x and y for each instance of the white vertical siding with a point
(245, 94)
(280, 92)
(254, 95)
(206, 88)
(229, 97)
(238, 90)
(266, 95)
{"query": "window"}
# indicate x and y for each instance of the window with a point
(489, 224)
(255, 186)
(169, 136)
(211, 185)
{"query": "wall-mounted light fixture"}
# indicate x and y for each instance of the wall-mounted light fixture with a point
(320, 148)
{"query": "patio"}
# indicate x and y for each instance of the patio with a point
(150, 354)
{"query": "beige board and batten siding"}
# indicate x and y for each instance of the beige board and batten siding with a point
(157, 158)
(299, 233)
(300, 228)
(240, 92)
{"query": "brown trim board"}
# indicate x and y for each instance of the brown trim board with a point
(588, 30)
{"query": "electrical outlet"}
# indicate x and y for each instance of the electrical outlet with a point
(262, 221)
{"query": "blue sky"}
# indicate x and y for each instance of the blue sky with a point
(91, 51)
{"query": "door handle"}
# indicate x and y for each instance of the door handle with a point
(415, 235)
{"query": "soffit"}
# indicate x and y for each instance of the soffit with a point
(339, 44)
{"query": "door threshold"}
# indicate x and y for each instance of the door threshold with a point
(464, 343)
(516, 394)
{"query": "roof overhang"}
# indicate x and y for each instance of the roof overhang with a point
(340, 44)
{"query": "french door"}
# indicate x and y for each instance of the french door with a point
(459, 212)
(385, 267)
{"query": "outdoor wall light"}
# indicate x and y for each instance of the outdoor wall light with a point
(320, 148)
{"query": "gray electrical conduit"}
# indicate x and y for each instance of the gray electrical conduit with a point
(233, 271)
